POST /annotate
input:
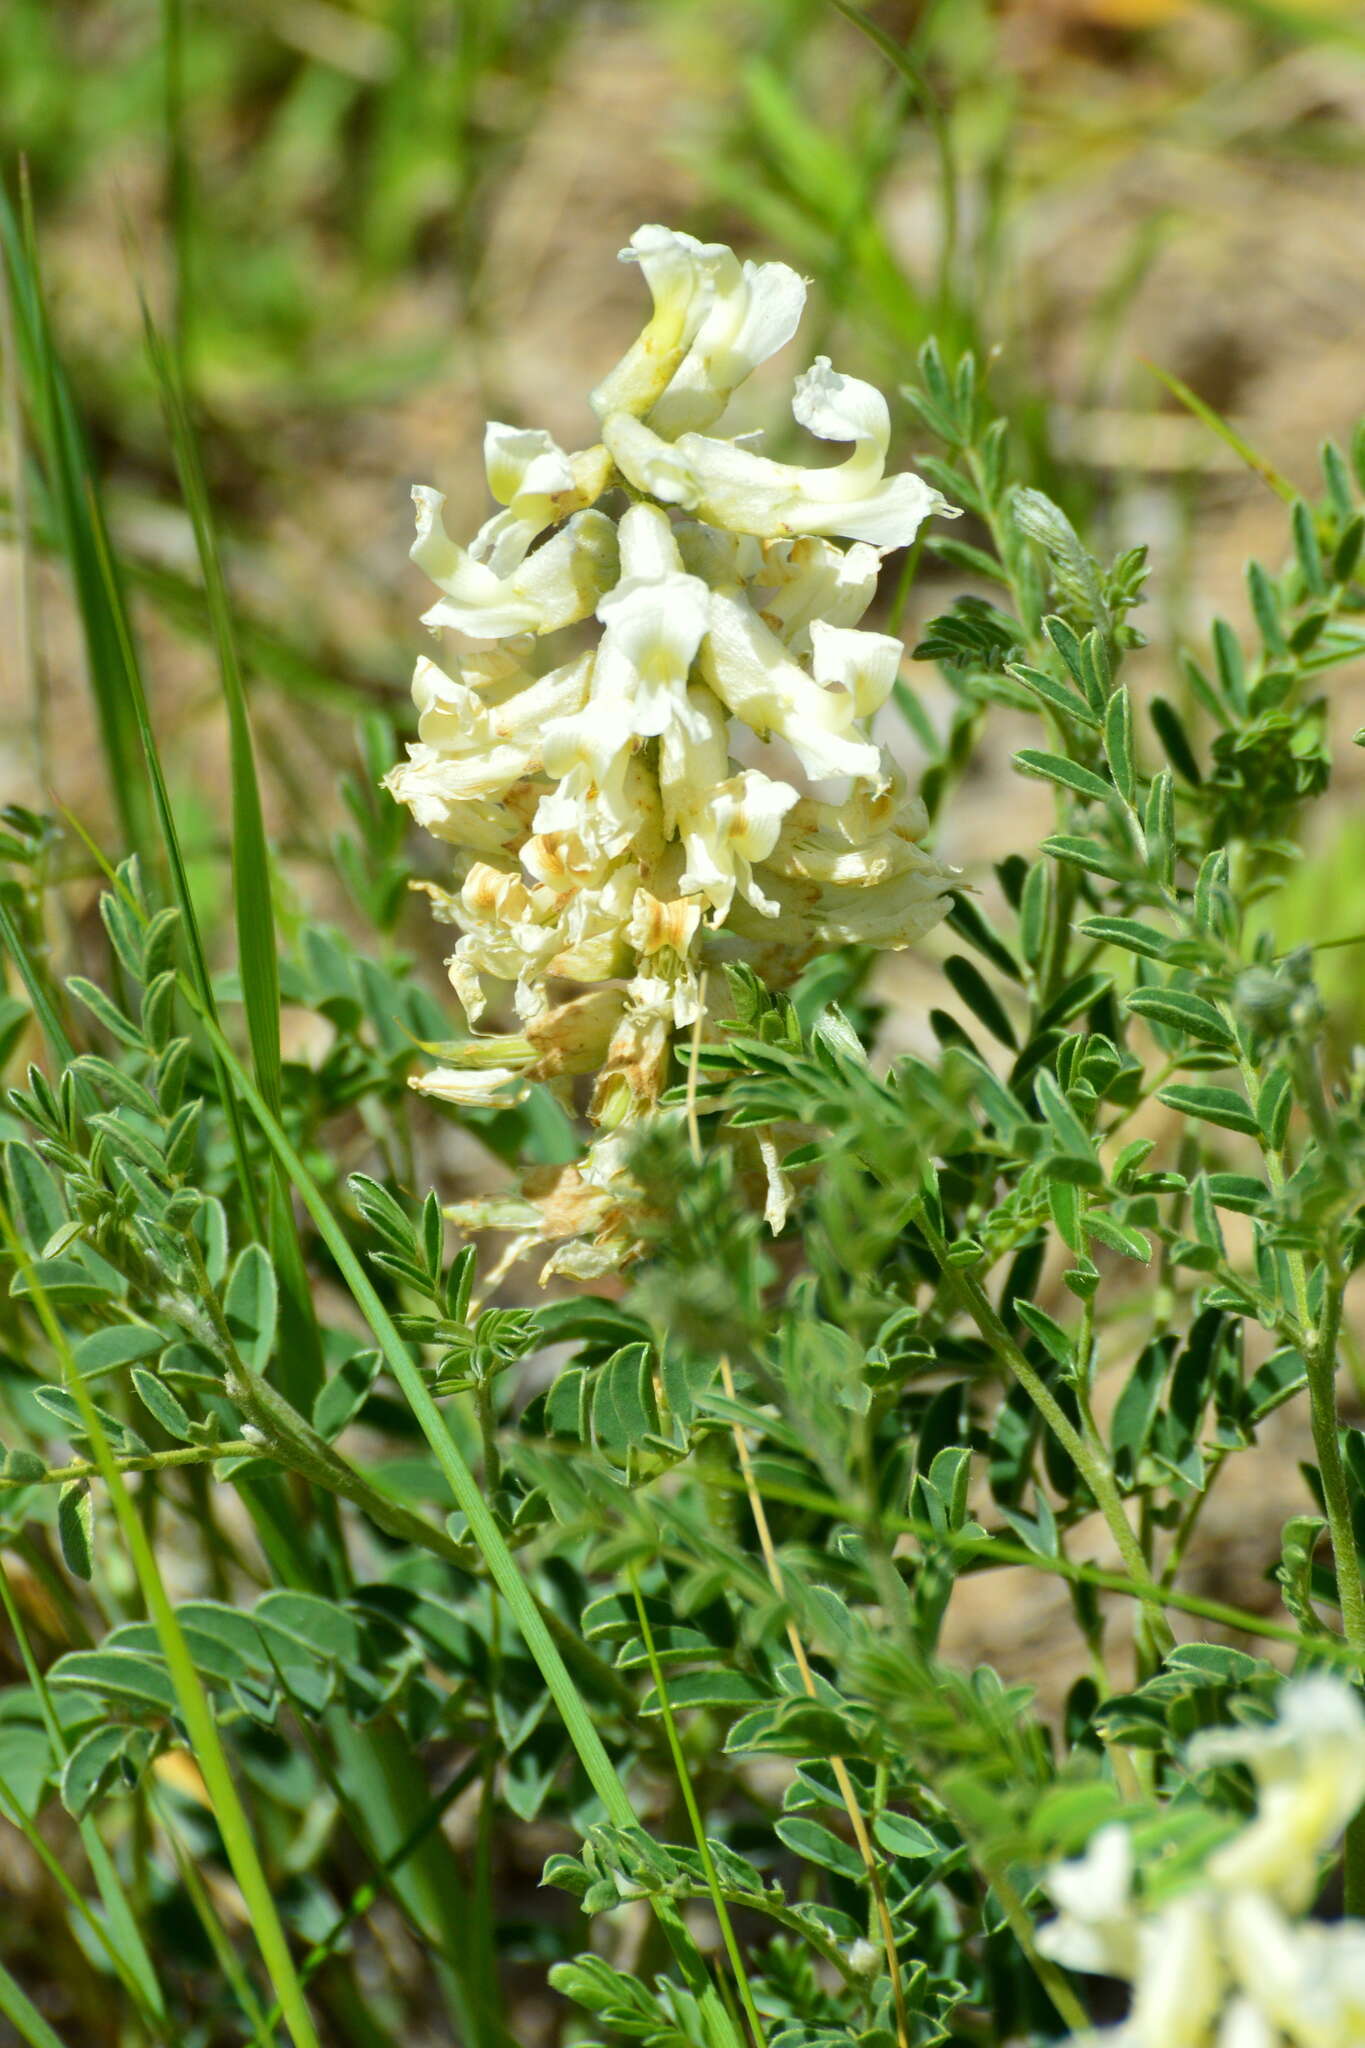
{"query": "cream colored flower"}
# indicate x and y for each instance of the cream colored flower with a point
(493, 589)
(625, 751)
(714, 321)
(1309, 1767)
(728, 485)
(752, 673)
(1223, 1964)
(1096, 1930)
(1305, 1981)
(754, 309)
(726, 822)
(812, 580)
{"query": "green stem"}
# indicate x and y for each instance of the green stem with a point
(150, 1461)
(1088, 1458)
(1321, 1359)
(998, 1550)
(689, 1797)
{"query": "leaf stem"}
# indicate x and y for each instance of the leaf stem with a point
(847, 1790)
(689, 1797)
(1088, 1458)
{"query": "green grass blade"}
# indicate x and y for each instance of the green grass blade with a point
(1226, 433)
(502, 1566)
(24, 2016)
(193, 1702)
(262, 2027)
(51, 1025)
(940, 130)
(722, 1911)
(300, 1367)
(121, 1939)
(253, 898)
(73, 492)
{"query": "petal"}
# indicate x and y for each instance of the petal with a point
(649, 551)
(891, 914)
(1098, 1884)
(524, 459)
(495, 1087)
(653, 633)
(751, 809)
(450, 567)
(722, 560)
(864, 664)
(839, 408)
(591, 738)
(816, 580)
(678, 270)
(561, 583)
(693, 756)
(750, 671)
(730, 486)
(752, 315)
(1243, 2026)
(436, 778)
(646, 460)
(1181, 1978)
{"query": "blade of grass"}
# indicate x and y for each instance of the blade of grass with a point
(1226, 433)
(25, 610)
(54, 1031)
(502, 1565)
(121, 1939)
(940, 131)
(24, 2016)
(262, 2028)
(195, 1709)
(72, 489)
(300, 1351)
(722, 1911)
(177, 178)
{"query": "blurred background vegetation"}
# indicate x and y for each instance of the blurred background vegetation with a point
(365, 226)
(370, 224)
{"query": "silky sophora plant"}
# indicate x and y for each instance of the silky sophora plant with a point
(612, 832)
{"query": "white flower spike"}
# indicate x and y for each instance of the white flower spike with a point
(591, 746)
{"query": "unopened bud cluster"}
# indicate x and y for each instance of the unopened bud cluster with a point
(657, 673)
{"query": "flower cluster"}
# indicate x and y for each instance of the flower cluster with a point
(660, 673)
(1228, 1962)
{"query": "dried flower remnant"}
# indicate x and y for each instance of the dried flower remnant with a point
(612, 832)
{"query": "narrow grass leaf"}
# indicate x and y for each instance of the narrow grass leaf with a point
(301, 1355)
